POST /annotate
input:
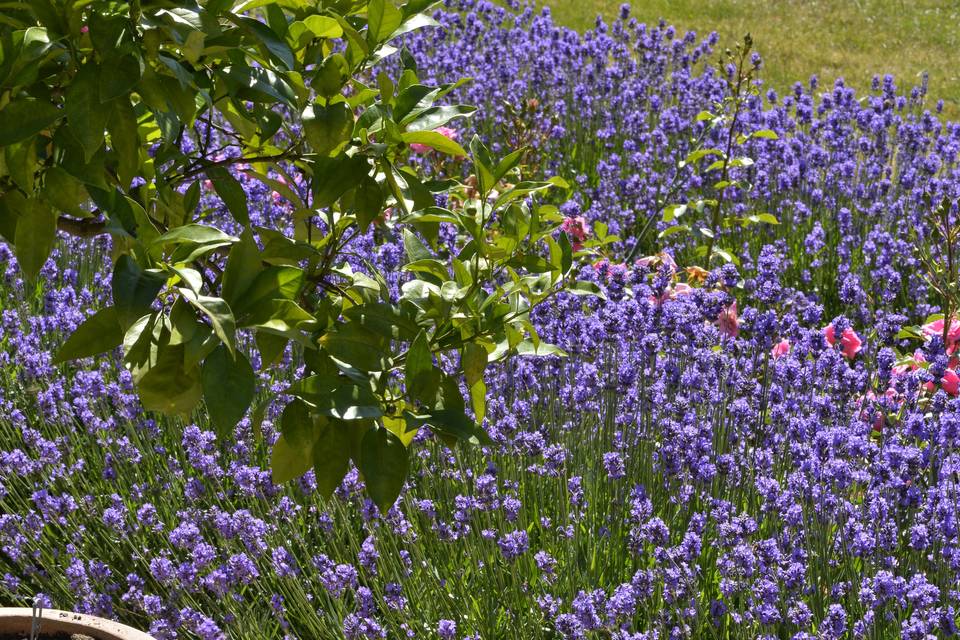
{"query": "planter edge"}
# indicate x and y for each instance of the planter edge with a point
(18, 619)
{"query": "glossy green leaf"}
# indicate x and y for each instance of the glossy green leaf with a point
(98, 333)
(434, 140)
(331, 455)
(357, 346)
(218, 313)
(474, 362)
(122, 75)
(24, 118)
(328, 129)
(36, 234)
(229, 384)
(384, 463)
(231, 192)
(383, 18)
(86, 116)
(134, 289)
(323, 26)
(288, 462)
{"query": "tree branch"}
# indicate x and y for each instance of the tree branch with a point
(81, 228)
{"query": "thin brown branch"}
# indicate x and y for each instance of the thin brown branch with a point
(87, 228)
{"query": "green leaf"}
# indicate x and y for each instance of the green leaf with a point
(231, 192)
(452, 422)
(474, 362)
(333, 177)
(125, 140)
(384, 464)
(288, 462)
(197, 234)
(528, 348)
(328, 129)
(219, 314)
(383, 18)
(585, 288)
(271, 347)
(357, 346)
(331, 456)
(767, 218)
(483, 165)
(397, 323)
(243, 265)
(416, 250)
(367, 202)
(164, 381)
(434, 140)
(24, 118)
(909, 333)
(336, 398)
(35, 237)
(134, 289)
(65, 192)
(767, 134)
(270, 40)
(99, 333)
(124, 73)
(229, 385)
(323, 26)
(332, 75)
(85, 115)
(421, 378)
(270, 284)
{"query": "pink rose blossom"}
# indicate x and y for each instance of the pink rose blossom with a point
(935, 328)
(577, 229)
(420, 148)
(727, 320)
(672, 293)
(950, 382)
(850, 342)
(918, 359)
(780, 349)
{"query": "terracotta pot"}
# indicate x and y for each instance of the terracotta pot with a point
(17, 620)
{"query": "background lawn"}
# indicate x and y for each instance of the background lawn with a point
(853, 39)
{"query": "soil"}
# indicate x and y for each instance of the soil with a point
(47, 636)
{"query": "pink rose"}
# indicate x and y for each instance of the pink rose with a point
(577, 229)
(420, 148)
(935, 328)
(918, 358)
(850, 342)
(727, 320)
(672, 293)
(950, 382)
(780, 349)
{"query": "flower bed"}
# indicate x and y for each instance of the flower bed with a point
(738, 453)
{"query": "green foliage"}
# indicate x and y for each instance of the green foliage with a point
(96, 98)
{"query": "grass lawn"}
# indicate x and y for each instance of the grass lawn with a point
(853, 39)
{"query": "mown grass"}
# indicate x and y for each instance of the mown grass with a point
(852, 39)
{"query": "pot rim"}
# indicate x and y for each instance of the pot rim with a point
(18, 620)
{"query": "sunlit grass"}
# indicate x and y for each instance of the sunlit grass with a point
(852, 39)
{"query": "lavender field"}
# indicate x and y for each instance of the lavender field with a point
(761, 446)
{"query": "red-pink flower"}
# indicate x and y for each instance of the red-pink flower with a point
(420, 148)
(950, 382)
(918, 359)
(935, 328)
(850, 342)
(780, 349)
(577, 229)
(727, 320)
(672, 293)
